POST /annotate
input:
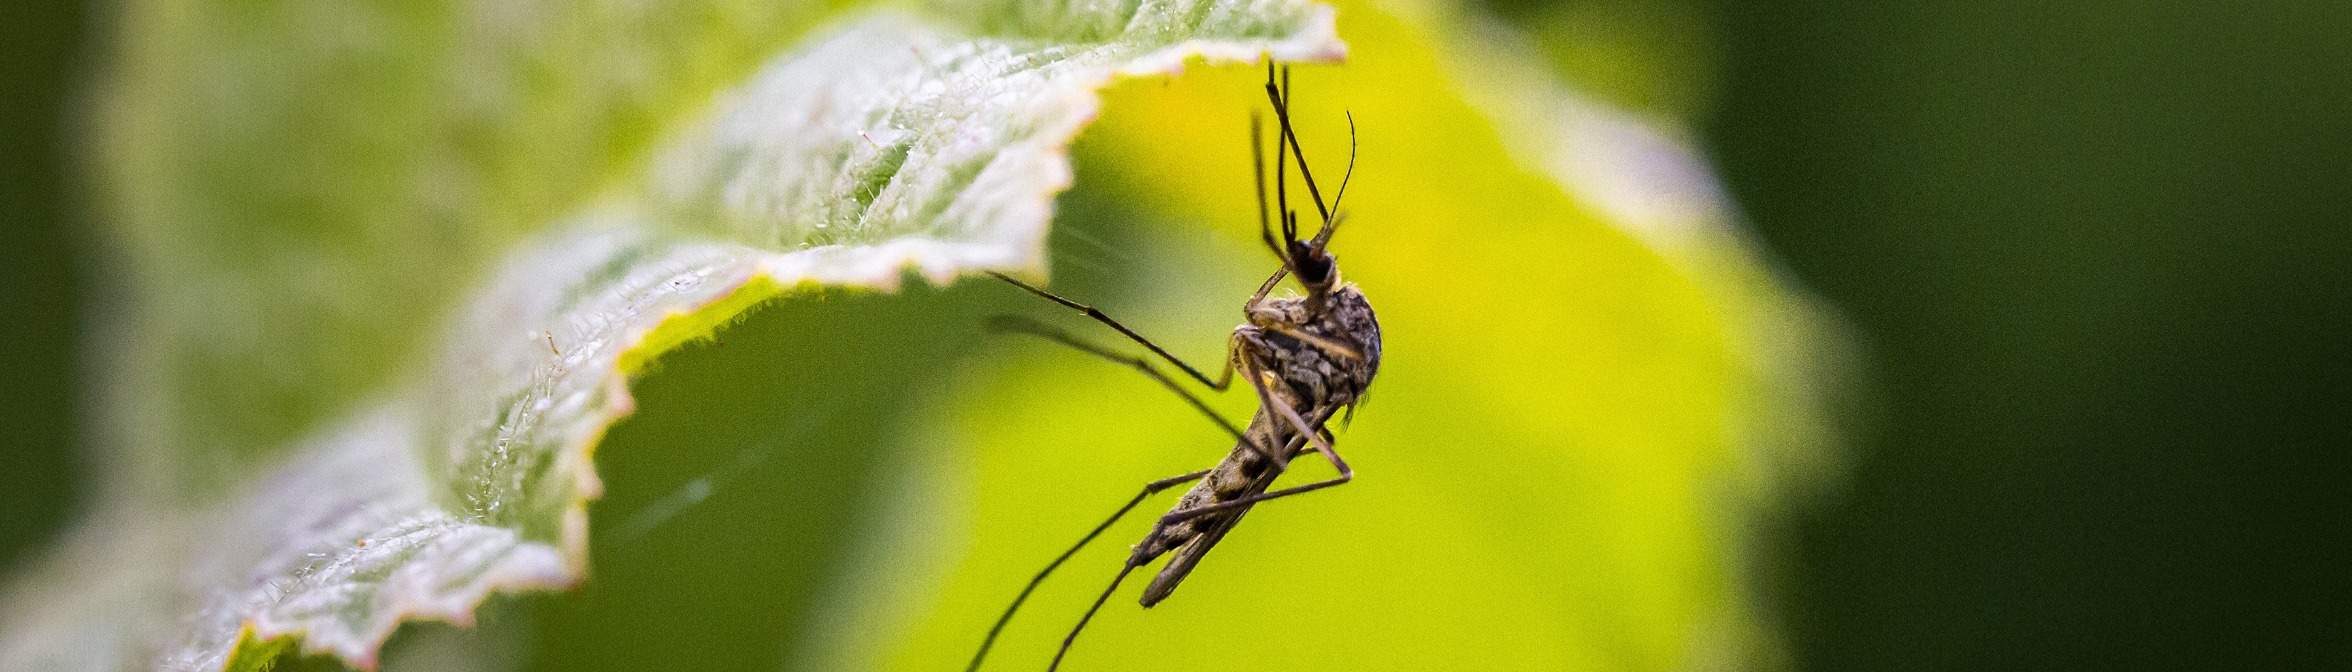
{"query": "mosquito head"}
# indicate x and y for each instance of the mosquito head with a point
(1314, 267)
(1306, 260)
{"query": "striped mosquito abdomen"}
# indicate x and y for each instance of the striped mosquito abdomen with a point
(1244, 472)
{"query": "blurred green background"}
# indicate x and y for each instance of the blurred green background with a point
(2096, 254)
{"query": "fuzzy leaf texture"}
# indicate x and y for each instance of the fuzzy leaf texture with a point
(300, 455)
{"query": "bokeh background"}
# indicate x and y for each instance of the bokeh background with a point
(2097, 257)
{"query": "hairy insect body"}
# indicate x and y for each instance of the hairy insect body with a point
(1308, 377)
(1316, 377)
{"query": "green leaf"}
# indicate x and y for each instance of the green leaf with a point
(303, 455)
(398, 268)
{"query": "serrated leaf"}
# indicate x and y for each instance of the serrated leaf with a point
(888, 142)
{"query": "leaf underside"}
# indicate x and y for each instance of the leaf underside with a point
(932, 142)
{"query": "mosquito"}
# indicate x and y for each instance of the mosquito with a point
(1307, 357)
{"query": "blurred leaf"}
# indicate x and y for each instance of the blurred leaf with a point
(1651, 57)
(275, 298)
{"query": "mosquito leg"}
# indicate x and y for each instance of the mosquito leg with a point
(1266, 401)
(1327, 345)
(1175, 517)
(1149, 489)
(1224, 379)
(1258, 178)
(1312, 431)
(1026, 325)
(1280, 97)
(1098, 602)
(1267, 288)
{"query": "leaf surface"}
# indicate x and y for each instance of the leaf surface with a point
(305, 455)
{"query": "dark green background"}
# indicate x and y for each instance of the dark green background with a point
(2099, 255)
(44, 275)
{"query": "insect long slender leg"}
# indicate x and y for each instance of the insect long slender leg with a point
(1267, 288)
(1345, 475)
(1033, 327)
(1258, 179)
(1097, 606)
(1149, 489)
(1280, 97)
(1313, 431)
(1223, 380)
(1336, 348)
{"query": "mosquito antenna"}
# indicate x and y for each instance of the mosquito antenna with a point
(1350, 174)
(1098, 602)
(1324, 236)
(1258, 179)
(1282, 115)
